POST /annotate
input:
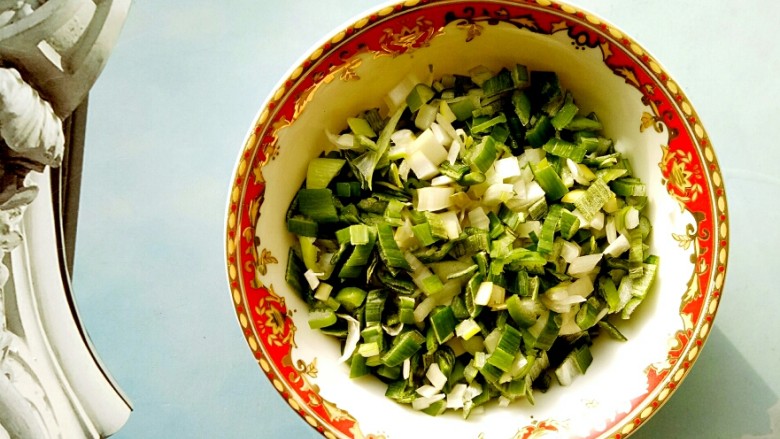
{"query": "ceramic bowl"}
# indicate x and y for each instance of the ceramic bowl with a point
(642, 108)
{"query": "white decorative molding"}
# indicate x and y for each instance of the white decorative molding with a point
(52, 384)
(62, 46)
(80, 400)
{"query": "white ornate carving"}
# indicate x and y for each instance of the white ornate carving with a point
(62, 46)
(51, 384)
(27, 123)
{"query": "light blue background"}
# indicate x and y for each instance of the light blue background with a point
(167, 120)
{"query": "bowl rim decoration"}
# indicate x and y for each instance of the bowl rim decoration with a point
(690, 174)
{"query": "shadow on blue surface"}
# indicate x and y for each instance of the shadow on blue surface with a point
(722, 397)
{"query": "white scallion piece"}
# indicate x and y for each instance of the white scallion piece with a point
(423, 403)
(455, 147)
(497, 194)
(342, 141)
(581, 287)
(397, 96)
(610, 229)
(442, 136)
(576, 172)
(597, 223)
(457, 396)
(619, 246)
(484, 293)
(428, 144)
(404, 236)
(584, 264)
(467, 329)
(535, 155)
(427, 391)
(436, 377)
(507, 168)
(403, 170)
(446, 125)
(570, 251)
(451, 224)
(442, 180)
(425, 116)
(632, 218)
(479, 219)
(432, 199)
(422, 166)
(312, 277)
(353, 337)
(322, 293)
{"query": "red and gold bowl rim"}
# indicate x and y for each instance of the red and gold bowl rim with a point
(688, 166)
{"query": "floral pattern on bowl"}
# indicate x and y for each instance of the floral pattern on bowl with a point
(642, 108)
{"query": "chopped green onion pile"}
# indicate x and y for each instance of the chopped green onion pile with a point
(470, 245)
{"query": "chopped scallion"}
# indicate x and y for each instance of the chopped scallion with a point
(501, 225)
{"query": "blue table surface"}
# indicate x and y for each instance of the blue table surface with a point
(167, 119)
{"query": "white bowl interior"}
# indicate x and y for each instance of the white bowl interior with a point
(618, 374)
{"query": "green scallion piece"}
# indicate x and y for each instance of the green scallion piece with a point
(423, 234)
(639, 287)
(612, 330)
(595, 197)
(463, 107)
(318, 205)
(321, 317)
(357, 366)
(472, 178)
(564, 116)
(443, 323)
(565, 149)
(635, 254)
(520, 76)
(401, 392)
(388, 249)
(508, 346)
(405, 309)
(569, 224)
(628, 187)
(589, 312)
(609, 292)
(549, 180)
(582, 123)
(523, 310)
(351, 297)
(294, 274)
(375, 305)
(484, 154)
(360, 127)
(302, 226)
(540, 132)
(499, 83)
(549, 331)
(455, 171)
(321, 171)
(360, 256)
(420, 95)
(485, 125)
(576, 363)
(403, 347)
(550, 225)
(355, 234)
(522, 106)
